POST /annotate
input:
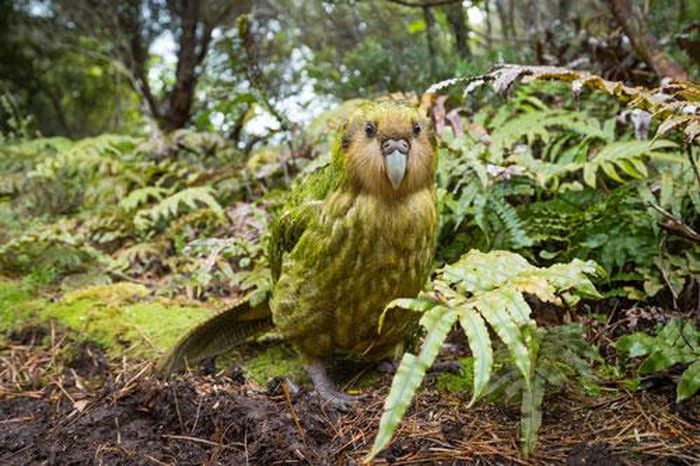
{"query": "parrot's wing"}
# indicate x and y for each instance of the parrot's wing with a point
(302, 207)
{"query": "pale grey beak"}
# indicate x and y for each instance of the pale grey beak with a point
(395, 164)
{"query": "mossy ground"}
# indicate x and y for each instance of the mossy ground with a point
(125, 320)
(17, 305)
(122, 318)
(278, 360)
(461, 382)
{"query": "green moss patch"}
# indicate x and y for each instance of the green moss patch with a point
(458, 383)
(17, 305)
(120, 317)
(123, 319)
(276, 361)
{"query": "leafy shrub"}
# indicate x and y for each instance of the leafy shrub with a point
(555, 177)
(113, 204)
(677, 342)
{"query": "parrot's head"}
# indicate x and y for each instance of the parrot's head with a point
(388, 149)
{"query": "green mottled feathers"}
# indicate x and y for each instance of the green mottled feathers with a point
(216, 335)
(347, 242)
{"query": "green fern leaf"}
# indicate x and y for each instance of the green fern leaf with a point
(484, 288)
(480, 346)
(410, 374)
(624, 154)
(531, 415)
(142, 196)
(169, 207)
(689, 383)
(495, 307)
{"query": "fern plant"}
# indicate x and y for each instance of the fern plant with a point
(480, 289)
(562, 355)
(677, 342)
(115, 197)
(478, 197)
(170, 207)
(553, 178)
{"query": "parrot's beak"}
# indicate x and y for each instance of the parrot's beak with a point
(395, 164)
(395, 159)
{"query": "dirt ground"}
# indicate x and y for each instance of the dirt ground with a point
(75, 407)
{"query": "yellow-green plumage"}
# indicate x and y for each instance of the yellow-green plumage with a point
(351, 238)
(351, 250)
(358, 253)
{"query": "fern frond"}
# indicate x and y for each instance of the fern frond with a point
(484, 288)
(628, 157)
(186, 200)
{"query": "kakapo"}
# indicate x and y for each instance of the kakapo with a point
(351, 237)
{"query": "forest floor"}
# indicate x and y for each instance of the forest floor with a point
(65, 401)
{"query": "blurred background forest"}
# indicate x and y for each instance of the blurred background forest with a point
(85, 67)
(145, 146)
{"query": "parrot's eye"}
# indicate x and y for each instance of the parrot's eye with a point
(370, 130)
(416, 129)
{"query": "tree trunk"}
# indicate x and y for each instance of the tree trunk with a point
(489, 27)
(682, 11)
(644, 43)
(58, 109)
(460, 29)
(503, 19)
(511, 19)
(185, 77)
(429, 29)
(531, 17)
(564, 7)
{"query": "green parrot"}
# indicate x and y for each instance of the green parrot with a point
(351, 237)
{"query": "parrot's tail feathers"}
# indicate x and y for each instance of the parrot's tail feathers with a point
(222, 332)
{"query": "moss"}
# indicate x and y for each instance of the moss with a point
(367, 381)
(112, 294)
(276, 361)
(458, 383)
(119, 318)
(17, 305)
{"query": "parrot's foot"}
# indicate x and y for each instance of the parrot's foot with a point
(327, 391)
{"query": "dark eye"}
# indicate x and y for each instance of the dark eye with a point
(416, 129)
(370, 130)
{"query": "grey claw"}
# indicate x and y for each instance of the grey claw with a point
(340, 401)
(326, 390)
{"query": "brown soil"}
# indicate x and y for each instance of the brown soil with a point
(79, 409)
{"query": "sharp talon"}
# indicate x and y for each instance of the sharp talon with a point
(340, 401)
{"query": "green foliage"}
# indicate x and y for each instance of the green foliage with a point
(677, 342)
(557, 178)
(17, 306)
(109, 205)
(171, 206)
(480, 289)
(563, 355)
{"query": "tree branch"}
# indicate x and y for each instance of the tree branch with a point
(645, 44)
(675, 225)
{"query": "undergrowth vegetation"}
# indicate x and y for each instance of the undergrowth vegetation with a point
(596, 200)
(557, 177)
